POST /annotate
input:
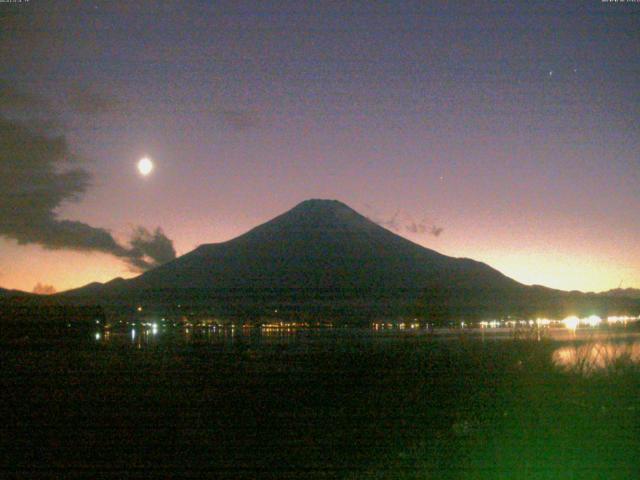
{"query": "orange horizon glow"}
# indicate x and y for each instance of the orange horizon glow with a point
(65, 269)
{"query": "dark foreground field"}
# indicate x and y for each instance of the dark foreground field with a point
(336, 408)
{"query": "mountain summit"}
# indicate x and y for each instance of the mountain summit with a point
(322, 257)
(318, 246)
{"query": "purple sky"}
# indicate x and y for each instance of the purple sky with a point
(512, 126)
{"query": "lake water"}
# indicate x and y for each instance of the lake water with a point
(288, 402)
(589, 349)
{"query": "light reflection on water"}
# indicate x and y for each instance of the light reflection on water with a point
(214, 335)
(590, 357)
(586, 350)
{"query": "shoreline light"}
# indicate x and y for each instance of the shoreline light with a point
(571, 322)
(592, 321)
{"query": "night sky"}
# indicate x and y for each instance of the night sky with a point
(508, 132)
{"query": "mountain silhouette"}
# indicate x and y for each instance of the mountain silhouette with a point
(4, 293)
(322, 257)
(623, 292)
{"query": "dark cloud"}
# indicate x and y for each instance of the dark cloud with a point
(38, 173)
(391, 224)
(27, 107)
(414, 227)
(403, 221)
(150, 248)
(42, 289)
(422, 227)
(92, 102)
(436, 231)
(14, 100)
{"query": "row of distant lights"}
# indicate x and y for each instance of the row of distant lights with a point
(593, 321)
(401, 326)
(572, 322)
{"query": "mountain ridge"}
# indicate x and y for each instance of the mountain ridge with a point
(9, 293)
(622, 292)
(322, 256)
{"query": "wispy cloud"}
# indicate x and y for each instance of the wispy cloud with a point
(403, 221)
(43, 289)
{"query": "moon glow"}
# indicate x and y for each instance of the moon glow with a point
(145, 166)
